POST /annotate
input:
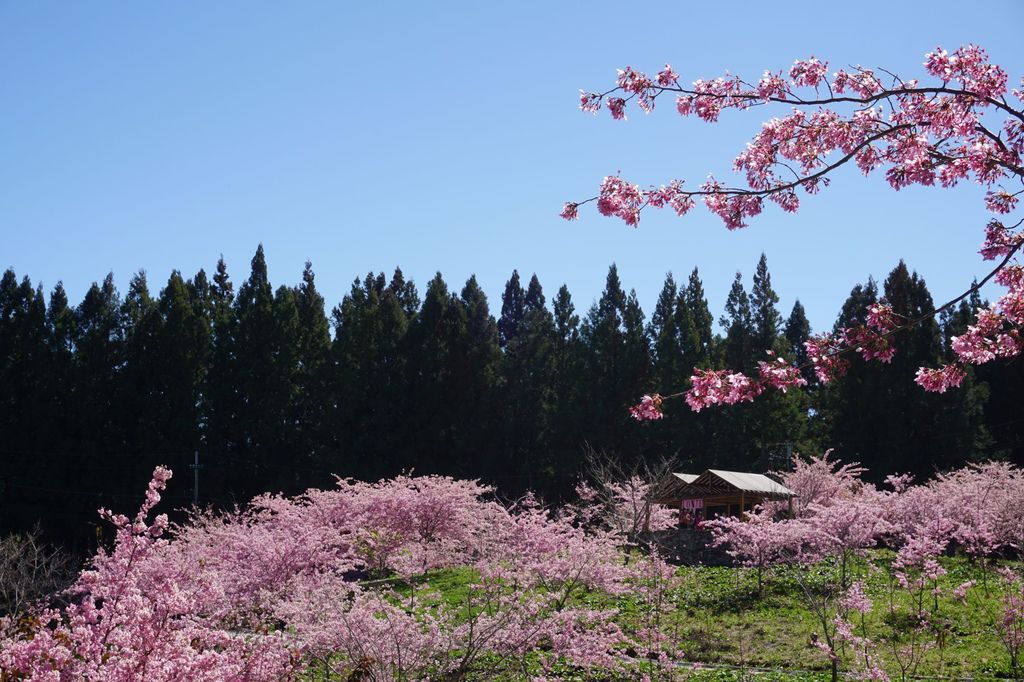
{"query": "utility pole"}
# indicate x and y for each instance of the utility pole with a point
(196, 466)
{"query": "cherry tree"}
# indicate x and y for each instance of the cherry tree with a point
(133, 618)
(327, 581)
(962, 123)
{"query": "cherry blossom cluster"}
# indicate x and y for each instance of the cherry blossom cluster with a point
(720, 387)
(625, 507)
(965, 123)
(135, 617)
(263, 592)
(825, 354)
(649, 408)
(723, 387)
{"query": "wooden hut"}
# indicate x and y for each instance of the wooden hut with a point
(719, 493)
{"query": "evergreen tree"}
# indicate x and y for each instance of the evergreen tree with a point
(739, 328)
(702, 321)
(476, 375)
(405, 292)
(512, 311)
(669, 370)
(637, 345)
(256, 371)
(797, 331)
(570, 389)
(852, 312)
(98, 362)
(954, 321)
(877, 416)
(618, 359)
(370, 404)
(183, 352)
(840, 422)
(779, 420)
(96, 429)
(60, 341)
(222, 398)
(765, 317)
(140, 397)
(312, 351)
(432, 347)
(26, 417)
(529, 394)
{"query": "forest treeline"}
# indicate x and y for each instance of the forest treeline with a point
(276, 393)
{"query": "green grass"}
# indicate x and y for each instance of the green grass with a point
(722, 620)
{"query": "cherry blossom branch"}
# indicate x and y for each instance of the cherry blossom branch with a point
(884, 94)
(933, 135)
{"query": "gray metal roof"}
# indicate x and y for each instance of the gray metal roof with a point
(687, 478)
(750, 483)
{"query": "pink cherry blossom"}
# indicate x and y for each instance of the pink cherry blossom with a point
(649, 408)
(954, 125)
(941, 379)
(720, 387)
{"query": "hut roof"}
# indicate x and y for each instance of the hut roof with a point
(717, 479)
(717, 482)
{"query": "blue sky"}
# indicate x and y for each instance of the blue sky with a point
(441, 136)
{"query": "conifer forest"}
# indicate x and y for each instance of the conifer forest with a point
(277, 391)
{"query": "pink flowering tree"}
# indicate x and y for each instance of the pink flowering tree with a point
(133, 618)
(626, 507)
(324, 585)
(1010, 622)
(819, 480)
(755, 540)
(961, 122)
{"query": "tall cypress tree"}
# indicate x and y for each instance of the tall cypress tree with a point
(739, 328)
(913, 415)
(370, 405)
(432, 345)
(476, 376)
(405, 292)
(878, 416)
(529, 393)
(603, 341)
(618, 355)
(258, 418)
(664, 329)
(96, 428)
(570, 387)
(702, 320)
(847, 406)
(140, 397)
(183, 349)
(797, 331)
(221, 395)
(765, 317)
(779, 420)
(25, 413)
(60, 341)
(512, 310)
(312, 350)
(99, 358)
(637, 347)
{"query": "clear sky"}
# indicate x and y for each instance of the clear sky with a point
(442, 136)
